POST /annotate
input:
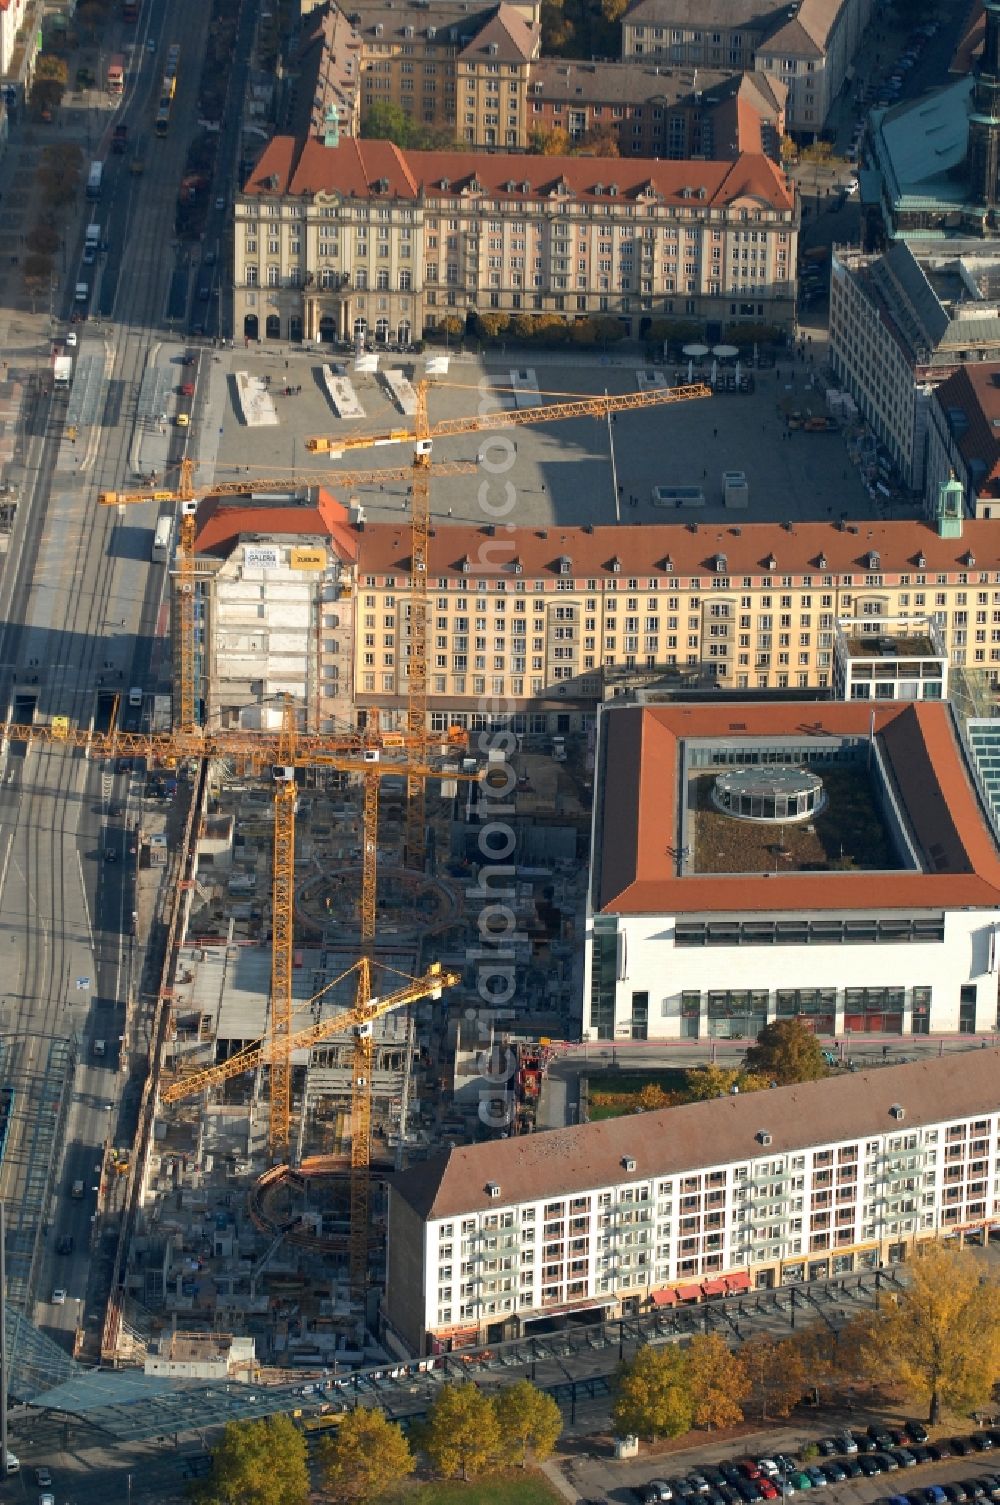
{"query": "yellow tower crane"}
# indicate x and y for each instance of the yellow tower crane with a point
(262, 1052)
(421, 436)
(283, 751)
(188, 496)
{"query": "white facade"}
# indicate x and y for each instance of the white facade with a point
(674, 980)
(804, 1211)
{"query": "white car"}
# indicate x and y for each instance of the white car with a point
(220, 202)
(851, 186)
(72, 339)
(58, 1296)
(46, 1500)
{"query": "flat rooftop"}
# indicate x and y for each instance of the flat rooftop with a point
(886, 645)
(945, 857)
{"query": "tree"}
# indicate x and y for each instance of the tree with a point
(529, 1422)
(258, 1463)
(387, 122)
(940, 1338)
(43, 238)
(777, 1373)
(54, 69)
(652, 1394)
(600, 141)
(704, 1082)
(58, 173)
(462, 1432)
(452, 326)
(786, 1052)
(613, 10)
(718, 1381)
(46, 96)
(549, 143)
(366, 1456)
(652, 1095)
(492, 325)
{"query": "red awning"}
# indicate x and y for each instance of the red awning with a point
(739, 1282)
(664, 1298)
(688, 1293)
(713, 1287)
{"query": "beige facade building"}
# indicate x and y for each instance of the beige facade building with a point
(809, 47)
(364, 240)
(451, 66)
(539, 625)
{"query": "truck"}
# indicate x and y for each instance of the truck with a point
(91, 244)
(119, 139)
(62, 372)
(95, 178)
(735, 491)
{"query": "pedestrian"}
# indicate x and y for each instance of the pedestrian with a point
(286, 365)
(715, 433)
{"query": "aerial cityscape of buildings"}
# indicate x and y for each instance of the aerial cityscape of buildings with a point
(499, 605)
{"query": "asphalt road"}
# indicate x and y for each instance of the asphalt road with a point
(80, 604)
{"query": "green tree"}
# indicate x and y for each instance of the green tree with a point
(387, 122)
(653, 1394)
(786, 1052)
(529, 1422)
(46, 95)
(258, 1463)
(776, 1372)
(462, 1434)
(58, 173)
(365, 1457)
(718, 1381)
(940, 1338)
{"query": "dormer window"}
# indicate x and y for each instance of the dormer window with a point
(821, 562)
(517, 566)
(616, 566)
(564, 564)
(970, 559)
(445, 184)
(771, 564)
(873, 559)
(668, 566)
(613, 190)
(720, 564)
(465, 565)
(921, 561)
(525, 187)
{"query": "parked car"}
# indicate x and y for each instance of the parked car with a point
(879, 1436)
(872, 1464)
(954, 1493)
(922, 1454)
(816, 1476)
(939, 1451)
(886, 1462)
(981, 1441)
(961, 1447)
(657, 1490)
(827, 1447)
(768, 1489)
(848, 1443)
(834, 1471)
(749, 1490)
(852, 1468)
(974, 1489)
(903, 1457)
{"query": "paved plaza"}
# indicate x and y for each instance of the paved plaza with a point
(562, 472)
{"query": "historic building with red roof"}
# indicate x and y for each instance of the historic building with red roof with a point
(365, 240)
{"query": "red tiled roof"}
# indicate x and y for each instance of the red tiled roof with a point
(686, 550)
(221, 522)
(354, 168)
(639, 770)
(973, 389)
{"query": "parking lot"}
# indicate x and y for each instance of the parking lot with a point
(901, 1467)
(562, 473)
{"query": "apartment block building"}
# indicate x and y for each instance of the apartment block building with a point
(365, 240)
(758, 862)
(808, 47)
(451, 65)
(750, 1192)
(901, 323)
(271, 613)
(541, 624)
(656, 111)
(963, 437)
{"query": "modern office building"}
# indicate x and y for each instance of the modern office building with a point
(758, 862)
(539, 625)
(809, 47)
(366, 240)
(489, 1241)
(889, 658)
(901, 323)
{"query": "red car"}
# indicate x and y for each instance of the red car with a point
(749, 1468)
(187, 390)
(768, 1489)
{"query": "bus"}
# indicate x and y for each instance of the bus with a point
(161, 540)
(94, 179)
(116, 75)
(168, 89)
